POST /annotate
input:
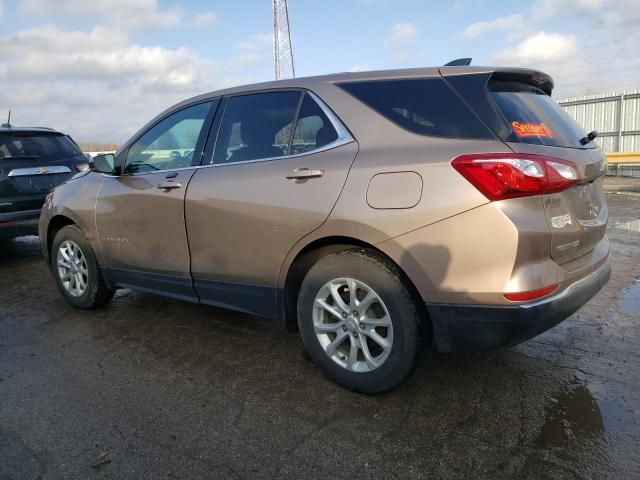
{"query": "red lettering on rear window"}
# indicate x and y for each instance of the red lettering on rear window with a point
(524, 130)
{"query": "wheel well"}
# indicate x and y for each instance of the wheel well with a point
(55, 224)
(313, 252)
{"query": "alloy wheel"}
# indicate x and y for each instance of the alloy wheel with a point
(72, 268)
(353, 325)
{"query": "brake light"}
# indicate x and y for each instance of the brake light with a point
(499, 176)
(531, 295)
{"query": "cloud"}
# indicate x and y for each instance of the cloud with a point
(510, 23)
(402, 35)
(578, 65)
(257, 49)
(601, 55)
(98, 85)
(257, 41)
(124, 14)
(540, 47)
(248, 59)
(551, 8)
(621, 13)
(205, 19)
(401, 44)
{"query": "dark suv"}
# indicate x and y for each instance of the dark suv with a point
(32, 162)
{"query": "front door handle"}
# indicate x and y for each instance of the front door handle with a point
(169, 185)
(302, 173)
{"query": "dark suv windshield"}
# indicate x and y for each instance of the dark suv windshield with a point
(534, 117)
(37, 145)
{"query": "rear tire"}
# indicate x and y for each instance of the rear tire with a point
(369, 341)
(76, 271)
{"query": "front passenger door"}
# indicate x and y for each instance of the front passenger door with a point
(140, 214)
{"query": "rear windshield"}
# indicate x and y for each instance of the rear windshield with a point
(533, 117)
(423, 106)
(37, 146)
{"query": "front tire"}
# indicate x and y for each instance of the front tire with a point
(360, 321)
(75, 269)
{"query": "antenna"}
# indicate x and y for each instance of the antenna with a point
(458, 62)
(282, 48)
(8, 124)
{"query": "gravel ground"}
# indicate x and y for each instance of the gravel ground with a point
(156, 388)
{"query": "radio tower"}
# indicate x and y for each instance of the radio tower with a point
(282, 49)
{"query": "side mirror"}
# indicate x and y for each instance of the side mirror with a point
(103, 163)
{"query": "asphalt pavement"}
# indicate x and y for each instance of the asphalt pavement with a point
(155, 388)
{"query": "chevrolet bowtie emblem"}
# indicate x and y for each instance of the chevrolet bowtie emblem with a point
(43, 170)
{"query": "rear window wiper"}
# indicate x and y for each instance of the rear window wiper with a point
(589, 138)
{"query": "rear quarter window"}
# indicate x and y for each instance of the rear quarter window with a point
(422, 106)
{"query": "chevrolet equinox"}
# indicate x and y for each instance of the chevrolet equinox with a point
(382, 213)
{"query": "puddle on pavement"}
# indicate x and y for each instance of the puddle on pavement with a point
(573, 415)
(630, 302)
(633, 226)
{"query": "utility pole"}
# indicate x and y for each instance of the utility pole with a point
(282, 49)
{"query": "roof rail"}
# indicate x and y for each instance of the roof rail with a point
(458, 62)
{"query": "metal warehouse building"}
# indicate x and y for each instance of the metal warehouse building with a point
(616, 117)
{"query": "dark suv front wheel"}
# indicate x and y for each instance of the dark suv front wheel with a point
(76, 270)
(360, 322)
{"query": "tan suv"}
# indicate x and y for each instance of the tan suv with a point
(383, 213)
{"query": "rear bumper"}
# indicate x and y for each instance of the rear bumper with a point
(18, 228)
(477, 328)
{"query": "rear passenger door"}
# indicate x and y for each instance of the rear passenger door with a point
(280, 161)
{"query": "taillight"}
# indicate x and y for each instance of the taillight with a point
(499, 176)
(531, 295)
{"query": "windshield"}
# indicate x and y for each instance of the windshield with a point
(534, 117)
(37, 145)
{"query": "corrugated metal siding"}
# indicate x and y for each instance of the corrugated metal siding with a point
(602, 112)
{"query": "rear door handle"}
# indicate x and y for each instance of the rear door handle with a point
(169, 185)
(302, 173)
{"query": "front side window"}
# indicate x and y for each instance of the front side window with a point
(169, 144)
(254, 127)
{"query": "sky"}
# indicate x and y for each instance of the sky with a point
(100, 69)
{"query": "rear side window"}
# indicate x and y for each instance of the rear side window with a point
(313, 129)
(533, 117)
(37, 146)
(256, 126)
(423, 106)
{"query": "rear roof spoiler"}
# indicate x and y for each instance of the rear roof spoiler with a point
(532, 77)
(518, 74)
